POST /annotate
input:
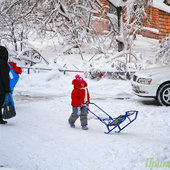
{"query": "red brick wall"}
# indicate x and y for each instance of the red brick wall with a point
(101, 23)
(164, 23)
(103, 9)
(157, 19)
(149, 34)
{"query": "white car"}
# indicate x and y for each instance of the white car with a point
(154, 83)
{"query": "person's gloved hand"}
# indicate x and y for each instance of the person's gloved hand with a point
(78, 111)
(87, 108)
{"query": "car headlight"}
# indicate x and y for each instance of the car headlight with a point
(144, 80)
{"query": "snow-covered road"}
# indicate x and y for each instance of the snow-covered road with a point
(39, 137)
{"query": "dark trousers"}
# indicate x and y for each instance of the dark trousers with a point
(74, 116)
(2, 99)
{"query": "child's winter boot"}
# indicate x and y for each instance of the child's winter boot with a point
(72, 125)
(85, 127)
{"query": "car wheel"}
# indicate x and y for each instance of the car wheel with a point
(164, 95)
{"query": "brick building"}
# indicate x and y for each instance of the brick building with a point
(159, 19)
(156, 26)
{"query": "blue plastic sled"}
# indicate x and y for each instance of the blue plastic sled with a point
(113, 123)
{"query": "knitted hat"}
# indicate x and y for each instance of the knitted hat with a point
(80, 79)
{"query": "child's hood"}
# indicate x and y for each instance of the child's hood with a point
(77, 84)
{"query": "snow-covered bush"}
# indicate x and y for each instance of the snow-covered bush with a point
(163, 54)
(105, 66)
(55, 74)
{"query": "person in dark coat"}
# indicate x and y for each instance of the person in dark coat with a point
(4, 79)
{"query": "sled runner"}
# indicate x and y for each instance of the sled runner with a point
(113, 123)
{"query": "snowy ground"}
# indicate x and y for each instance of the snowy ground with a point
(39, 137)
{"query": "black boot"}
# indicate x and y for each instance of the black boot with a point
(3, 122)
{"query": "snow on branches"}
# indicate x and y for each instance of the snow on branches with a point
(163, 54)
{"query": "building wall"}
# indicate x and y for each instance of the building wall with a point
(157, 19)
(100, 25)
(100, 22)
(164, 23)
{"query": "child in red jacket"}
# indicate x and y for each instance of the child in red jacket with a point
(80, 95)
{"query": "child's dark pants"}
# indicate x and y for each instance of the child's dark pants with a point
(74, 116)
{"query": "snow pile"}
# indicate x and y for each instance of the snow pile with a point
(54, 74)
(151, 29)
(41, 83)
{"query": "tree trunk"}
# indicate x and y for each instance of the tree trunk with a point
(14, 38)
(119, 16)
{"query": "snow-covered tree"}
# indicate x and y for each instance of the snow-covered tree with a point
(69, 18)
(73, 19)
(130, 14)
(163, 54)
(15, 21)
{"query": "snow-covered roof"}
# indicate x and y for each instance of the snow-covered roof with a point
(161, 5)
(117, 3)
(156, 3)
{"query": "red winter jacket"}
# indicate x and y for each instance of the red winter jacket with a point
(78, 94)
(17, 69)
